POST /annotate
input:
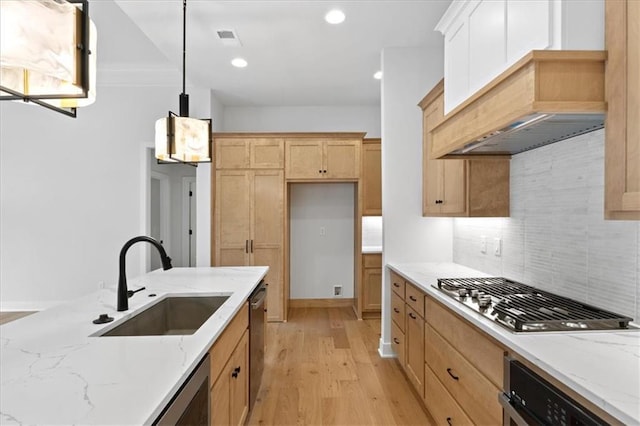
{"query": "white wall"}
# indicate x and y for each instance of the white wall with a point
(556, 237)
(318, 262)
(360, 118)
(409, 73)
(372, 231)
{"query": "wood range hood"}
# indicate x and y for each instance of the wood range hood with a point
(547, 96)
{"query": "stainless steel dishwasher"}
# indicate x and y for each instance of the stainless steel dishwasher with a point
(257, 315)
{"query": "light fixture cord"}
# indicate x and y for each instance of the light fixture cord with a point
(184, 44)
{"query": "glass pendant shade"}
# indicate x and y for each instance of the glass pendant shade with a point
(183, 139)
(48, 52)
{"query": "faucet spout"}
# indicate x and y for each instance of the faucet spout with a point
(123, 296)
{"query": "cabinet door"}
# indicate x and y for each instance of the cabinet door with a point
(342, 159)
(454, 187)
(266, 153)
(304, 159)
(432, 170)
(220, 414)
(371, 179)
(372, 289)
(239, 383)
(231, 153)
(622, 127)
(267, 235)
(232, 218)
(415, 349)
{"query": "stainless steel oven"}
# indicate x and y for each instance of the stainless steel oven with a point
(256, 340)
(191, 405)
(531, 400)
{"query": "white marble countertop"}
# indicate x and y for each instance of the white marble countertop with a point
(371, 249)
(53, 372)
(603, 367)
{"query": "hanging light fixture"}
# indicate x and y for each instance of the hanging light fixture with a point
(179, 138)
(48, 53)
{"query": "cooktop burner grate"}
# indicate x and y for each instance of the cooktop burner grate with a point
(525, 308)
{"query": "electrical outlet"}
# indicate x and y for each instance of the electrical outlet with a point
(337, 290)
(323, 231)
(497, 246)
(483, 244)
(101, 285)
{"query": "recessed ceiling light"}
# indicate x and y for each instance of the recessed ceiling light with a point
(334, 16)
(378, 75)
(239, 63)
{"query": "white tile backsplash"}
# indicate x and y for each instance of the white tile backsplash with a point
(557, 238)
(372, 231)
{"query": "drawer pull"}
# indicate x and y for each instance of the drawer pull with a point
(451, 374)
(235, 372)
(396, 341)
(396, 310)
(396, 285)
(413, 298)
(412, 316)
(449, 421)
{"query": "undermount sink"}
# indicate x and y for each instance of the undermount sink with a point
(171, 316)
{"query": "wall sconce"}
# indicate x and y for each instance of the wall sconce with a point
(48, 53)
(179, 138)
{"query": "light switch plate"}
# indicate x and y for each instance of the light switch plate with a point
(497, 246)
(483, 244)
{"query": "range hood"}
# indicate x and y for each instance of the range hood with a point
(546, 97)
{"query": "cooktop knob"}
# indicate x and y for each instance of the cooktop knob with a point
(484, 301)
(462, 292)
(474, 293)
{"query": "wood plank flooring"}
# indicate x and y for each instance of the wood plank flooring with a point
(323, 368)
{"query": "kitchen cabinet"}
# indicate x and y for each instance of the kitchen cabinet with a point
(622, 127)
(414, 337)
(230, 373)
(249, 227)
(482, 38)
(473, 188)
(248, 152)
(371, 285)
(371, 177)
(313, 159)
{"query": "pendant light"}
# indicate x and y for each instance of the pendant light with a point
(48, 53)
(179, 138)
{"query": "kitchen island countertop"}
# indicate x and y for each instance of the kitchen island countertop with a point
(602, 366)
(53, 371)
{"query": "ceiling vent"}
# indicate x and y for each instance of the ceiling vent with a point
(228, 37)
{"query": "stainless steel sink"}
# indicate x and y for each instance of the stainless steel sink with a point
(171, 316)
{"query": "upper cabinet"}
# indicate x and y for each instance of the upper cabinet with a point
(371, 177)
(244, 152)
(312, 159)
(622, 128)
(482, 38)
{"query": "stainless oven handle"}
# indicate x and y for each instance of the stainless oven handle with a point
(510, 411)
(255, 304)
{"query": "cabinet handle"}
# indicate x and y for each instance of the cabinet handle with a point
(396, 285)
(396, 310)
(324, 171)
(396, 341)
(251, 246)
(449, 421)
(235, 373)
(413, 298)
(412, 316)
(319, 171)
(451, 374)
(246, 246)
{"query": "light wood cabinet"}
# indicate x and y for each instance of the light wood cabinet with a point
(248, 153)
(443, 407)
(249, 227)
(371, 284)
(469, 188)
(371, 177)
(322, 159)
(622, 127)
(414, 336)
(230, 373)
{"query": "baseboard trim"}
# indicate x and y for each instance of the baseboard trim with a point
(385, 350)
(320, 303)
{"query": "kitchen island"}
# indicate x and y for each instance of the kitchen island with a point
(603, 367)
(55, 370)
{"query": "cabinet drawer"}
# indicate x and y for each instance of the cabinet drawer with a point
(481, 352)
(415, 299)
(227, 342)
(462, 380)
(397, 310)
(372, 260)
(397, 342)
(397, 284)
(441, 405)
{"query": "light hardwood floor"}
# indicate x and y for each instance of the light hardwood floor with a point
(322, 368)
(6, 317)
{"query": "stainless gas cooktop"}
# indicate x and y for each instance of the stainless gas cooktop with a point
(522, 308)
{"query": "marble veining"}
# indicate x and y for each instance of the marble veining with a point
(602, 366)
(55, 370)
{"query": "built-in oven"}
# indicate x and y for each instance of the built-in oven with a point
(531, 400)
(191, 404)
(257, 315)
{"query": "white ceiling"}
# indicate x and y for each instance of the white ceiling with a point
(295, 57)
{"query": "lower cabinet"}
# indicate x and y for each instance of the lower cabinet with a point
(415, 350)
(371, 283)
(230, 373)
(441, 405)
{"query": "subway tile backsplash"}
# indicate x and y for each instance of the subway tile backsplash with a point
(556, 238)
